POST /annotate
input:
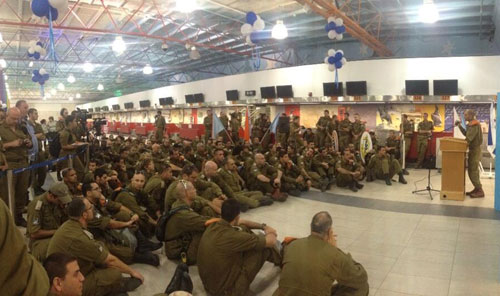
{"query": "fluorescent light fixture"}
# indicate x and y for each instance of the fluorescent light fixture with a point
(6, 77)
(71, 78)
(45, 98)
(30, 64)
(88, 67)
(61, 87)
(53, 91)
(428, 13)
(186, 6)
(119, 45)
(279, 31)
(70, 98)
(1, 38)
(3, 63)
(100, 87)
(78, 95)
(147, 70)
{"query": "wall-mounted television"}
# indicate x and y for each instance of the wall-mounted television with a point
(105, 108)
(166, 101)
(331, 89)
(417, 87)
(145, 104)
(190, 99)
(116, 107)
(199, 98)
(447, 87)
(356, 88)
(284, 91)
(91, 110)
(232, 95)
(268, 92)
(97, 109)
(129, 105)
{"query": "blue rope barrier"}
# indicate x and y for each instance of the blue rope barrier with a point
(39, 165)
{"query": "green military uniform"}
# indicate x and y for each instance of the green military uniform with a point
(306, 166)
(358, 127)
(295, 139)
(256, 128)
(322, 130)
(156, 188)
(383, 167)
(225, 122)
(289, 179)
(394, 143)
(199, 205)
(20, 274)
(230, 257)
(160, 128)
(17, 157)
(74, 240)
(474, 137)
(328, 173)
(183, 232)
(207, 122)
(131, 199)
(40, 173)
(88, 177)
(60, 125)
(311, 266)
(235, 127)
(408, 135)
(345, 180)
(345, 130)
(249, 198)
(272, 157)
(267, 170)
(423, 140)
(66, 137)
(43, 215)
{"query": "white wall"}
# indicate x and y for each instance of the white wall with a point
(476, 76)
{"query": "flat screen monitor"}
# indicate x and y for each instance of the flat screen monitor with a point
(199, 98)
(284, 91)
(116, 107)
(446, 87)
(268, 92)
(232, 95)
(129, 105)
(166, 101)
(105, 108)
(190, 99)
(91, 110)
(145, 104)
(417, 87)
(97, 109)
(331, 89)
(356, 88)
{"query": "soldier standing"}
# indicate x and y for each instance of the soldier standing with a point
(425, 129)
(407, 129)
(235, 125)
(283, 129)
(322, 129)
(345, 130)
(358, 128)
(207, 122)
(160, 127)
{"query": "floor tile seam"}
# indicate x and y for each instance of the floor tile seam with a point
(454, 256)
(417, 276)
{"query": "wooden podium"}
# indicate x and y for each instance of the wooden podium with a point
(453, 168)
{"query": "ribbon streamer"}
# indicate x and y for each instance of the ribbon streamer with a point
(42, 91)
(52, 48)
(336, 78)
(256, 59)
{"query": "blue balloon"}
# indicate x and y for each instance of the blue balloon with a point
(338, 56)
(54, 12)
(34, 78)
(45, 76)
(39, 43)
(331, 60)
(36, 55)
(36, 72)
(332, 26)
(251, 17)
(338, 64)
(40, 7)
(42, 82)
(30, 55)
(340, 30)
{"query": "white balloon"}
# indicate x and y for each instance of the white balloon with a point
(246, 29)
(32, 43)
(188, 46)
(326, 60)
(331, 52)
(341, 51)
(332, 34)
(58, 4)
(259, 25)
(339, 22)
(42, 71)
(31, 50)
(343, 61)
(340, 36)
(43, 51)
(331, 68)
(331, 19)
(38, 48)
(249, 41)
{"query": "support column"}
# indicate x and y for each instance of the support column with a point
(497, 164)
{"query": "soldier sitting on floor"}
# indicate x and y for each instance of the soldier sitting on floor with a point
(384, 167)
(348, 172)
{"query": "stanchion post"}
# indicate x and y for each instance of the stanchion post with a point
(10, 190)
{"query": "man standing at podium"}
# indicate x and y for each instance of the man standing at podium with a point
(474, 137)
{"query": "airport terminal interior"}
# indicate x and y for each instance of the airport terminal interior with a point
(249, 147)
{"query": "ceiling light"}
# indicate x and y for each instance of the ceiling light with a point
(71, 78)
(147, 70)
(428, 13)
(3, 63)
(61, 87)
(1, 38)
(30, 64)
(186, 6)
(48, 96)
(45, 98)
(53, 91)
(100, 87)
(70, 98)
(88, 67)
(78, 95)
(6, 77)
(119, 45)
(279, 31)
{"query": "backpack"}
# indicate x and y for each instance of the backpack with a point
(162, 222)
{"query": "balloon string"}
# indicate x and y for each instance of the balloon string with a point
(256, 63)
(51, 35)
(42, 91)
(336, 78)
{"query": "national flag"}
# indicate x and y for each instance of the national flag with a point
(217, 126)
(492, 131)
(456, 131)
(274, 124)
(247, 126)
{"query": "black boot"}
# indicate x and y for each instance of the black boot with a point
(402, 178)
(295, 192)
(353, 187)
(323, 183)
(369, 177)
(145, 245)
(129, 284)
(20, 221)
(265, 202)
(358, 185)
(405, 172)
(147, 258)
(387, 180)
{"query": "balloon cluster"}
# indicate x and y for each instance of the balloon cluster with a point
(335, 28)
(253, 29)
(42, 8)
(40, 76)
(36, 49)
(335, 59)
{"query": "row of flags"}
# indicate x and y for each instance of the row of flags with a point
(218, 127)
